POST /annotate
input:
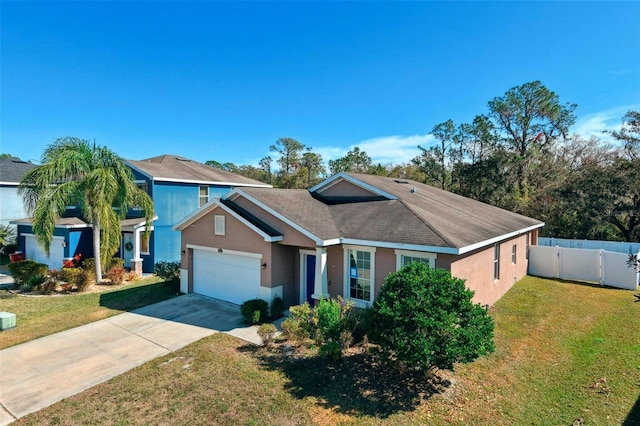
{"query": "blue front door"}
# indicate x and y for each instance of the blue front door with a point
(310, 266)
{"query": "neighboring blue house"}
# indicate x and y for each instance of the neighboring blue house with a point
(177, 186)
(12, 170)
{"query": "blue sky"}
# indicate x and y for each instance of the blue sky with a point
(223, 80)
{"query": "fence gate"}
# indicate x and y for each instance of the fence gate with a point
(600, 266)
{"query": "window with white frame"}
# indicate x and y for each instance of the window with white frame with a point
(526, 249)
(204, 195)
(514, 250)
(496, 261)
(404, 257)
(359, 282)
(219, 225)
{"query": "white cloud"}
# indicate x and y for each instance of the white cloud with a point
(595, 124)
(384, 150)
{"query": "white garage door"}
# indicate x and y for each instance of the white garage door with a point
(231, 277)
(33, 251)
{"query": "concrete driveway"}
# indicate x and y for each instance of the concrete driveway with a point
(39, 373)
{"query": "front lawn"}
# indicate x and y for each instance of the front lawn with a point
(566, 353)
(39, 316)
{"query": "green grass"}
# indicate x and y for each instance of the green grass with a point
(564, 352)
(39, 316)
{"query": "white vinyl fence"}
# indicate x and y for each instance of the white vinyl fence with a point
(600, 266)
(617, 246)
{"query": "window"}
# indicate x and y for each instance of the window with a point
(514, 249)
(219, 227)
(404, 257)
(144, 243)
(359, 282)
(144, 186)
(204, 195)
(496, 262)
(526, 253)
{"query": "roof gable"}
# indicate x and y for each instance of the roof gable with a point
(174, 168)
(345, 186)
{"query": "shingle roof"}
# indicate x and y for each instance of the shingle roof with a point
(460, 220)
(62, 222)
(179, 169)
(422, 215)
(13, 170)
(298, 206)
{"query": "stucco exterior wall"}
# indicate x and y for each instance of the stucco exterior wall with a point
(237, 237)
(283, 271)
(477, 268)
(11, 207)
(335, 270)
(346, 189)
(385, 264)
(291, 236)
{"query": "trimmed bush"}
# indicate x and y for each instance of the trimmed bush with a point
(267, 333)
(168, 271)
(68, 275)
(254, 310)
(26, 269)
(424, 318)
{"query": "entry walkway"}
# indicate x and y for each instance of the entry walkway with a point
(36, 374)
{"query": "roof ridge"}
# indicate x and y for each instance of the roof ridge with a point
(421, 219)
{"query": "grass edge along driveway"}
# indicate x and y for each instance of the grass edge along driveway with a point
(39, 316)
(566, 353)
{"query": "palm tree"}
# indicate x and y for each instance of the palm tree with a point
(76, 172)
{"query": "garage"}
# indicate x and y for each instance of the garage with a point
(33, 251)
(226, 276)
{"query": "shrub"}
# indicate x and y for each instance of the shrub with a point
(89, 264)
(305, 318)
(267, 333)
(277, 307)
(330, 324)
(292, 331)
(116, 275)
(35, 281)
(424, 318)
(168, 271)
(335, 327)
(254, 310)
(48, 286)
(68, 275)
(25, 269)
(83, 280)
(116, 262)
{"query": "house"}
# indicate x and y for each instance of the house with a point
(344, 236)
(177, 186)
(12, 170)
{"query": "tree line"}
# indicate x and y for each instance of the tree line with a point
(517, 155)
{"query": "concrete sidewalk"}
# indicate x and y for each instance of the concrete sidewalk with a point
(39, 373)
